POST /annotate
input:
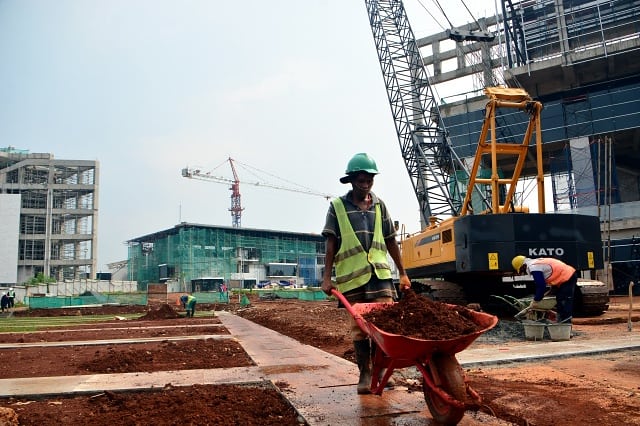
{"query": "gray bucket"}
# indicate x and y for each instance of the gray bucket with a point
(533, 330)
(559, 332)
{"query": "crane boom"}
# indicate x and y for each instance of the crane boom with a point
(433, 166)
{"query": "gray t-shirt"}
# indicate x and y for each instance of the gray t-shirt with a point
(361, 221)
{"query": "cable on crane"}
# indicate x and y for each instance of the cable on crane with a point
(437, 3)
(470, 14)
(459, 35)
(433, 17)
(251, 169)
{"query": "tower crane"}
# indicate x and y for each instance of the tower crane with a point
(236, 208)
(236, 205)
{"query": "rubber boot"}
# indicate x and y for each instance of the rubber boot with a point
(390, 383)
(363, 358)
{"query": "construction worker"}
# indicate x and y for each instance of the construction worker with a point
(547, 271)
(189, 303)
(12, 297)
(359, 233)
(4, 302)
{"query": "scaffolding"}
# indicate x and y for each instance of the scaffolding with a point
(189, 252)
(543, 29)
(584, 174)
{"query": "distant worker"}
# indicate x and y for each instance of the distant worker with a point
(224, 293)
(4, 302)
(189, 303)
(547, 271)
(359, 233)
(12, 297)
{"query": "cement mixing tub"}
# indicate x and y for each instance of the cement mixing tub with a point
(559, 332)
(533, 330)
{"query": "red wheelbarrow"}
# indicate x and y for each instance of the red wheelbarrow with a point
(444, 385)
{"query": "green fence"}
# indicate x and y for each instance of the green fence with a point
(315, 294)
(36, 302)
(96, 299)
(212, 297)
(301, 293)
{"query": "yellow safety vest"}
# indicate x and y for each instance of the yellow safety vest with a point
(353, 264)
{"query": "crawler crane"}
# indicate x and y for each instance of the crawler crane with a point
(466, 256)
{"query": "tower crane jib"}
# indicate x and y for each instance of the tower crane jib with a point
(234, 186)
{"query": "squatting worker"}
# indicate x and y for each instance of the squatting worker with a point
(189, 303)
(547, 271)
(359, 233)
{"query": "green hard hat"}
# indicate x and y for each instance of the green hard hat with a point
(361, 162)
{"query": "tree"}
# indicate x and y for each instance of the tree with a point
(40, 278)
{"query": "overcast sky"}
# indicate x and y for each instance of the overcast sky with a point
(147, 87)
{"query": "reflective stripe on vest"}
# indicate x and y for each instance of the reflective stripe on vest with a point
(353, 263)
(560, 271)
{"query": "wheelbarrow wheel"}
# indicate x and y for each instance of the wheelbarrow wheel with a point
(451, 381)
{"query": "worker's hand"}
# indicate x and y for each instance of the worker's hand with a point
(405, 283)
(327, 286)
(534, 305)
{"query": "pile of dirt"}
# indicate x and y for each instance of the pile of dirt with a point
(45, 361)
(162, 312)
(167, 355)
(194, 405)
(80, 311)
(419, 317)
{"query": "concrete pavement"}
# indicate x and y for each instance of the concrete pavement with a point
(530, 351)
(320, 386)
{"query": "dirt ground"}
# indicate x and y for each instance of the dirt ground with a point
(603, 389)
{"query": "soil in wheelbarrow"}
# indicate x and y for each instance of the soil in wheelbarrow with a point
(422, 318)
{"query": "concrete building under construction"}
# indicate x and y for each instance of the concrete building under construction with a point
(581, 59)
(48, 212)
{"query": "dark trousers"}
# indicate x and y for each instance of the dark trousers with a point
(564, 299)
(191, 309)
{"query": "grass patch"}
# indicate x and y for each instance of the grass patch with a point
(25, 324)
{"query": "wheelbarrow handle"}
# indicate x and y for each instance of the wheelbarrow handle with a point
(520, 314)
(346, 303)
